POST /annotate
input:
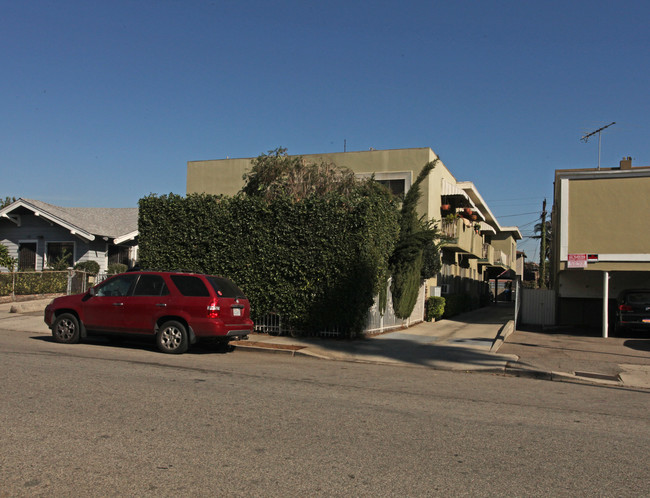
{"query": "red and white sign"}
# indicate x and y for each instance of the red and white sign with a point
(577, 261)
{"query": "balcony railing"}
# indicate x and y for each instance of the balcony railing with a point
(501, 259)
(462, 238)
(487, 257)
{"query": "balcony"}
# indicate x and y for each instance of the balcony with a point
(462, 238)
(501, 259)
(487, 257)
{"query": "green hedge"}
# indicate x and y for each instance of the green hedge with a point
(318, 262)
(26, 283)
(456, 304)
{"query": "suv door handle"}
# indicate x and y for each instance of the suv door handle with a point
(161, 305)
(118, 304)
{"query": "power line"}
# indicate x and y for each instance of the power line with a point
(520, 214)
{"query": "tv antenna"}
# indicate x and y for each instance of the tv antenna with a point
(585, 138)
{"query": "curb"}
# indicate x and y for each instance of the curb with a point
(503, 334)
(531, 373)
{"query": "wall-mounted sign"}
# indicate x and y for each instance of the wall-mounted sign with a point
(577, 261)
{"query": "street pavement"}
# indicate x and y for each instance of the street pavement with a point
(482, 340)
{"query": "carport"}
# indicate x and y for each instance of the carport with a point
(587, 297)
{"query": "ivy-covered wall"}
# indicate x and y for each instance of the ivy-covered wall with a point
(318, 261)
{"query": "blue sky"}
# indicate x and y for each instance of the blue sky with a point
(104, 102)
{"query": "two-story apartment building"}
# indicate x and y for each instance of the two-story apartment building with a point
(478, 248)
(601, 240)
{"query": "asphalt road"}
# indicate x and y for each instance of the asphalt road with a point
(97, 419)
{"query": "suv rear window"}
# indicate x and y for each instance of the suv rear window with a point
(190, 286)
(225, 288)
(638, 298)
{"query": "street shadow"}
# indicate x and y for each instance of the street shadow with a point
(402, 351)
(493, 313)
(143, 343)
(638, 344)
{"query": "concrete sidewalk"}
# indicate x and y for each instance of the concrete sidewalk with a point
(481, 340)
(465, 344)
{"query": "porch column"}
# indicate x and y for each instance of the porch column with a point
(605, 303)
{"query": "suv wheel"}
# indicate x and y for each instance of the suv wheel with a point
(66, 329)
(172, 338)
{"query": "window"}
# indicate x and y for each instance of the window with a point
(118, 254)
(151, 285)
(118, 286)
(190, 286)
(60, 253)
(225, 288)
(396, 187)
(27, 256)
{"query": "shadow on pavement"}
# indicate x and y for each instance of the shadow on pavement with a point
(402, 351)
(638, 344)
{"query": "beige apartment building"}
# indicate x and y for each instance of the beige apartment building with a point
(601, 240)
(478, 249)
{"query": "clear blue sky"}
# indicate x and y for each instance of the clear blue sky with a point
(104, 102)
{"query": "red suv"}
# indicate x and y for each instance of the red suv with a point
(179, 308)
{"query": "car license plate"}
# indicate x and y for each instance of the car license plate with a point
(236, 312)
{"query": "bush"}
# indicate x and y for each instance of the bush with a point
(456, 304)
(41, 282)
(435, 308)
(88, 267)
(6, 261)
(114, 268)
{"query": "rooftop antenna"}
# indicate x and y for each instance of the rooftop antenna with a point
(585, 138)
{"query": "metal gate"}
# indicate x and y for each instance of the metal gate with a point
(537, 307)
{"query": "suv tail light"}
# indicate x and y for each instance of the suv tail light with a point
(214, 309)
(625, 307)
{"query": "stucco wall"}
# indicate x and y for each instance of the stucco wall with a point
(609, 215)
(224, 176)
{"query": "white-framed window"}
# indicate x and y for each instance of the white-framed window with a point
(55, 251)
(398, 182)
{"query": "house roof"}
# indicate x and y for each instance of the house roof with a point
(84, 222)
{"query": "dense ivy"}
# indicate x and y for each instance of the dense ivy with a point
(317, 261)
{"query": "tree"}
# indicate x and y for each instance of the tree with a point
(276, 174)
(407, 261)
(7, 200)
(6, 261)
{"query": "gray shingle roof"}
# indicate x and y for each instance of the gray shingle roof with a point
(107, 222)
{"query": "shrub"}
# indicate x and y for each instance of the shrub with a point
(435, 308)
(41, 282)
(114, 268)
(6, 261)
(88, 267)
(456, 304)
